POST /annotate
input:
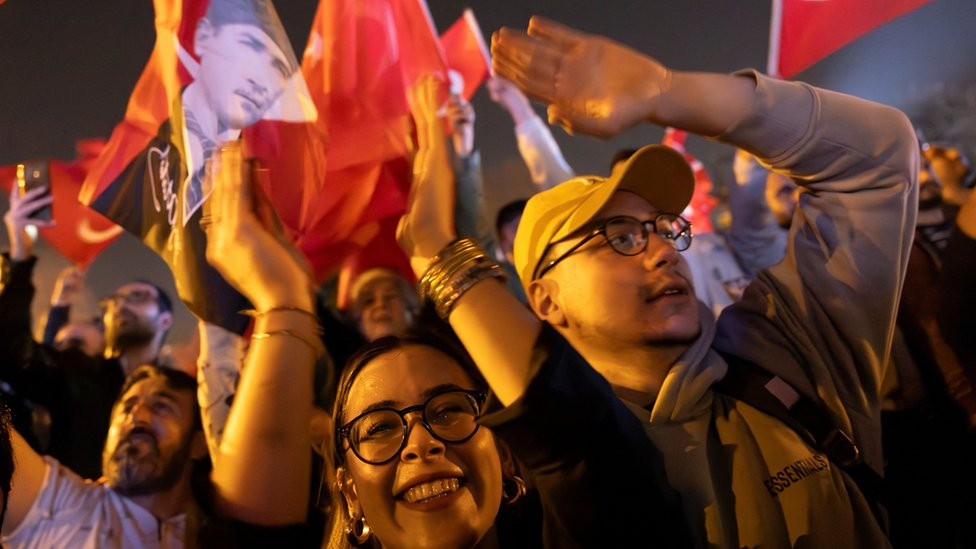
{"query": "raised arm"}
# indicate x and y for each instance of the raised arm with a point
(16, 288)
(495, 328)
(262, 471)
(29, 470)
(66, 289)
(755, 236)
(836, 292)
(599, 87)
(539, 150)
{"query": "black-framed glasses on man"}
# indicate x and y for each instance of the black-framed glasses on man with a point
(628, 236)
(134, 297)
(377, 436)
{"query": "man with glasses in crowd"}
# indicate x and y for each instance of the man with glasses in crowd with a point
(768, 420)
(76, 389)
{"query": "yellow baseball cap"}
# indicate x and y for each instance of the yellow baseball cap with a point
(657, 173)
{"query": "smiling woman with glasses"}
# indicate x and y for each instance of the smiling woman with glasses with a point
(414, 467)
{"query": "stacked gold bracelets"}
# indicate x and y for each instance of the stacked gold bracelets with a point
(454, 271)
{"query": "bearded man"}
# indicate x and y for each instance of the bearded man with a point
(153, 441)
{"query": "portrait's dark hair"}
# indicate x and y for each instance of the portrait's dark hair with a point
(163, 300)
(175, 379)
(6, 459)
(259, 13)
(621, 156)
(508, 213)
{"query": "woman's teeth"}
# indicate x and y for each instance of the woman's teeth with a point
(431, 490)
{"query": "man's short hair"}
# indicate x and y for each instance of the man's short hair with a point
(175, 379)
(163, 300)
(509, 212)
(258, 13)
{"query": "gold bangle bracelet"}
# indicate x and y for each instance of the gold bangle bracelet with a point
(317, 347)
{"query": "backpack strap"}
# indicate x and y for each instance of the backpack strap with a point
(774, 396)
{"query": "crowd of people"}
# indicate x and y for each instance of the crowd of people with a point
(580, 370)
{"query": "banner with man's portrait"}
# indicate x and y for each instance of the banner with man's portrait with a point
(217, 68)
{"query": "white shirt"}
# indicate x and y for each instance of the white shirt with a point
(71, 512)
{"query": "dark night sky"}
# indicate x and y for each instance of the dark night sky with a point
(68, 68)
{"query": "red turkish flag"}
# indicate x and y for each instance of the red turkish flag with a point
(80, 233)
(360, 62)
(702, 202)
(803, 32)
(466, 52)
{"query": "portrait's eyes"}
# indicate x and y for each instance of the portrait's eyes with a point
(281, 67)
(252, 42)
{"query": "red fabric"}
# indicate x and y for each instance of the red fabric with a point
(702, 203)
(80, 233)
(466, 52)
(360, 61)
(811, 30)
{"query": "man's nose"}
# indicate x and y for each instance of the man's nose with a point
(659, 253)
(139, 413)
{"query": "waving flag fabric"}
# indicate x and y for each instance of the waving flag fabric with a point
(218, 67)
(80, 233)
(360, 62)
(466, 52)
(803, 32)
(702, 202)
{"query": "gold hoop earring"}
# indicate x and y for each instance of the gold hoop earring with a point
(512, 489)
(355, 538)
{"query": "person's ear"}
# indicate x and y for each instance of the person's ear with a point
(506, 458)
(543, 298)
(347, 487)
(200, 37)
(164, 321)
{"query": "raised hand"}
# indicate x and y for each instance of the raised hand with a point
(949, 168)
(507, 94)
(18, 217)
(460, 113)
(428, 224)
(592, 84)
(244, 243)
(67, 286)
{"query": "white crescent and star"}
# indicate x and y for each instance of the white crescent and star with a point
(92, 235)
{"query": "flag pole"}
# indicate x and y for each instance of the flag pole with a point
(775, 25)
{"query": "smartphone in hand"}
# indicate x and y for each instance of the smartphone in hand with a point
(33, 174)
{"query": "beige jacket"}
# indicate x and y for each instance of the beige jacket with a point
(822, 319)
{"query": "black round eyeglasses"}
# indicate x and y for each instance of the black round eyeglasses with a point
(377, 436)
(628, 236)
